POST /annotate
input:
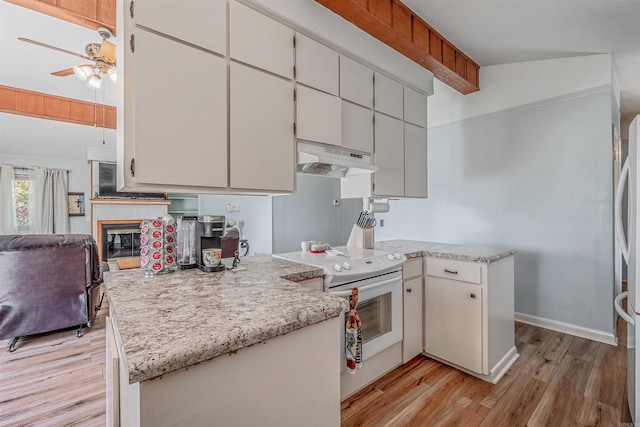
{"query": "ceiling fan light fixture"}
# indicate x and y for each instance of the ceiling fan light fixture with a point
(83, 72)
(94, 82)
(113, 74)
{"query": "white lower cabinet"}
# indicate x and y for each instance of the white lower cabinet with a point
(468, 315)
(412, 309)
(453, 322)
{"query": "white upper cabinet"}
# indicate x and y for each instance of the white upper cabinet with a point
(388, 96)
(356, 82)
(319, 116)
(260, 41)
(415, 161)
(261, 129)
(180, 123)
(415, 107)
(202, 23)
(357, 127)
(389, 154)
(316, 65)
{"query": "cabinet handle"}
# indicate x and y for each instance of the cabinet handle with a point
(409, 290)
(131, 9)
(132, 167)
(132, 43)
(446, 270)
(473, 296)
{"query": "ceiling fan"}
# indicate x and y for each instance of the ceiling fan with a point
(102, 56)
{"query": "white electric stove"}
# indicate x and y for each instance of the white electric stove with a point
(343, 265)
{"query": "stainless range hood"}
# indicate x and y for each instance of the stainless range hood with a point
(334, 162)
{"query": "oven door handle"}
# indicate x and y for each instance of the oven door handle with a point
(364, 288)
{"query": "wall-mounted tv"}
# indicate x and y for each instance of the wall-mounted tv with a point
(107, 185)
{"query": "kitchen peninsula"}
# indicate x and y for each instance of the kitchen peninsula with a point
(231, 348)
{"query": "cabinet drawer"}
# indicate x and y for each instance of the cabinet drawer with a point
(463, 271)
(412, 268)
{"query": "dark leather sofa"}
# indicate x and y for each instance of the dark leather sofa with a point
(47, 282)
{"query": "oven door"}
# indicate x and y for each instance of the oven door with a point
(380, 310)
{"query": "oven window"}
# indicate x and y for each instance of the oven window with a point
(375, 315)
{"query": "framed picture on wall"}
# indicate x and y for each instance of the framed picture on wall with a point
(76, 204)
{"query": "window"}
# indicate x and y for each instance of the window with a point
(23, 189)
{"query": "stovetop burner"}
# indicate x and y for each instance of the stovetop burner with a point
(344, 265)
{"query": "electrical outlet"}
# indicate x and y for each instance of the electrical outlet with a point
(232, 206)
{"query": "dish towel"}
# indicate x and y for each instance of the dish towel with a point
(353, 335)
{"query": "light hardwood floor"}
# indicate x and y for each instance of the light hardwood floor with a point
(55, 379)
(559, 380)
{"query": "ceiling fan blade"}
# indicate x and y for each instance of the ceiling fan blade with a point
(108, 50)
(63, 73)
(37, 43)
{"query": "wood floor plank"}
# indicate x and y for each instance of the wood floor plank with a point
(487, 394)
(524, 397)
(465, 412)
(593, 413)
(556, 346)
(582, 348)
(608, 376)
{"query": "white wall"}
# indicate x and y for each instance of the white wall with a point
(255, 216)
(79, 181)
(536, 176)
(512, 85)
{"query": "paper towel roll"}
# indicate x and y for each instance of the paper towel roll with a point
(377, 207)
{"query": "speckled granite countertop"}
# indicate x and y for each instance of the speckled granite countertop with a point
(171, 321)
(414, 248)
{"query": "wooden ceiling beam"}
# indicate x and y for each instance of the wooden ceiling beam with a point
(44, 106)
(87, 13)
(391, 22)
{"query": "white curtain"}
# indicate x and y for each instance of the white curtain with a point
(51, 207)
(7, 201)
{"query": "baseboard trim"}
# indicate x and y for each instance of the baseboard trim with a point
(567, 328)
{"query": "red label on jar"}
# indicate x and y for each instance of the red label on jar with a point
(144, 229)
(169, 239)
(144, 250)
(157, 255)
(157, 234)
(157, 266)
(168, 249)
(144, 261)
(169, 259)
(144, 240)
(170, 228)
(156, 223)
(157, 244)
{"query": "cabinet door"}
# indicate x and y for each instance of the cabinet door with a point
(259, 40)
(412, 313)
(316, 65)
(180, 123)
(357, 127)
(203, 23)
(262, 152)
(356, 82)
(453, 322)
(415, 107)
(389, 153)
(319, 116)
(415, 161)
(388, 96)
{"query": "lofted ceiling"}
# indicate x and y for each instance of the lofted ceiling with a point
(503, 31)
(488, 31)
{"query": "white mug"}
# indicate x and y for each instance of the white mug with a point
(211, 257)
(306, 245)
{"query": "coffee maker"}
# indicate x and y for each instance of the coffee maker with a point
(210, 234)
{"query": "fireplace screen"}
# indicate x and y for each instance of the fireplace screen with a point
(120, 240)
